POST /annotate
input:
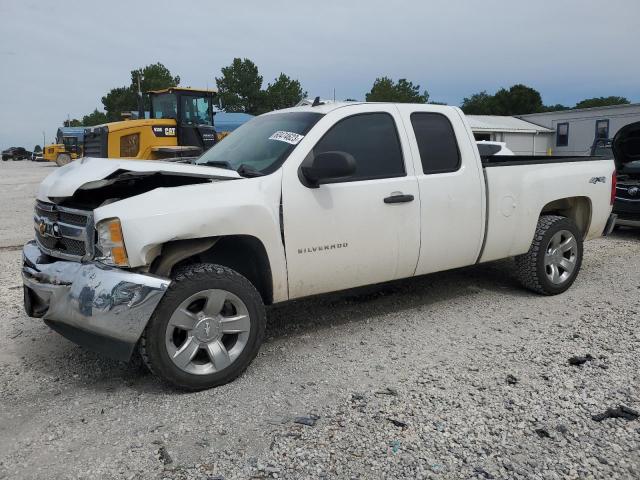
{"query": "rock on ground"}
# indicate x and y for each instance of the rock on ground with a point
(404, 381)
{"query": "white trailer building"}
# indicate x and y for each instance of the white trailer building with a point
(521, 137)
(574, 131)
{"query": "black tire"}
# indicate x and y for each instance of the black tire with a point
(531, 268)
(189, 281)
(63, 159)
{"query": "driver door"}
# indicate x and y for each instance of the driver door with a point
(352, 232)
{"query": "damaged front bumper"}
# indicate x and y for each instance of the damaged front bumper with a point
(102, 308)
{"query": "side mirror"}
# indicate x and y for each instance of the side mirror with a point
(327, 166)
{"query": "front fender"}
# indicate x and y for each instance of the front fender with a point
(233, 207)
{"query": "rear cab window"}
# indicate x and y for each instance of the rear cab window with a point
(437, 144)
(372, 139)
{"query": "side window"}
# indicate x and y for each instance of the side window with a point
(562, 135)
(437, 142)
(372, 139)
(602, 129)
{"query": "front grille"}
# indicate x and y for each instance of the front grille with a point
(95, 142)
(64, 232)
(628, 192)
(66, 246)
(63, 216)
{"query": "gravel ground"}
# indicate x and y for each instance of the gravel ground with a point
(460, 374)
(18, 184)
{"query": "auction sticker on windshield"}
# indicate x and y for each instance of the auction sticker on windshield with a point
(288, 137)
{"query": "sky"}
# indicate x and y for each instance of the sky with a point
(58, 58)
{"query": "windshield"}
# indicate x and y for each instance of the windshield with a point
(263, 143)
(164, 105)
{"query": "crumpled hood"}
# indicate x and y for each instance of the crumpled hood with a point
(64, 181)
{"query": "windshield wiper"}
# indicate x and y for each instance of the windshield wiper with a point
(247, 171)
(217, 163)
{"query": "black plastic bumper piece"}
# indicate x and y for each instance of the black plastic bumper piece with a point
(611, 223)
(109, 347)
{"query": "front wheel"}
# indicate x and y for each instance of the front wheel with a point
(206, 330)
(553, 261)
(63, 159)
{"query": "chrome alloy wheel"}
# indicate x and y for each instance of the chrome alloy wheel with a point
(207, 332)
(560, 257)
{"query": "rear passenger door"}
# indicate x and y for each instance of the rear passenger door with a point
(451, 184)
(355, 231)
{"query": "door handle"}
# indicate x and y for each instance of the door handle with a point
(399, 198)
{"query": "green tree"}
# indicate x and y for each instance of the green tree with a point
(384, 89)
(125, 99)
(518, 100)
(282, 93)
(118, 100)
(94, 118)
(154, 77)
(74, 122)
(602, 102)
(556, 108)
(240, 87)
(478, 104)
(37, 149)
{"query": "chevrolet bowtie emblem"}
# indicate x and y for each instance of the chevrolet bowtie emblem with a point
(49, 229)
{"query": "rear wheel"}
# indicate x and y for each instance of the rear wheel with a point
(206, 330)
(63, 159)
(553, 261)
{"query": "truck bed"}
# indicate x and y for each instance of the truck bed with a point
(519, 192)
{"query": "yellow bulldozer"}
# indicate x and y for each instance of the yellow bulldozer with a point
(180, 124)
(68, 146)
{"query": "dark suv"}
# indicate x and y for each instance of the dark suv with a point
(626, 151)
(15, 153)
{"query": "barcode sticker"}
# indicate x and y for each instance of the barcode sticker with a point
(288, 137)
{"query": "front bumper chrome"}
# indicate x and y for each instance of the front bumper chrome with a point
(103, 308)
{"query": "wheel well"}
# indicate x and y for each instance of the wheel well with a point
(244, 254)
(577, 209)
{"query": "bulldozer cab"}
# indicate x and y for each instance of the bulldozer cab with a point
(193, 111)
(71, 145)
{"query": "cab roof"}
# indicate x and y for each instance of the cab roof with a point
(183, 89)
(324, 107)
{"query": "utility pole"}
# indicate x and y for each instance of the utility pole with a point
(44, 142)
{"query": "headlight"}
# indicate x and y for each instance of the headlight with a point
(111, 243)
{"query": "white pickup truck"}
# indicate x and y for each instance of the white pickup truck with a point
(179, 260)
